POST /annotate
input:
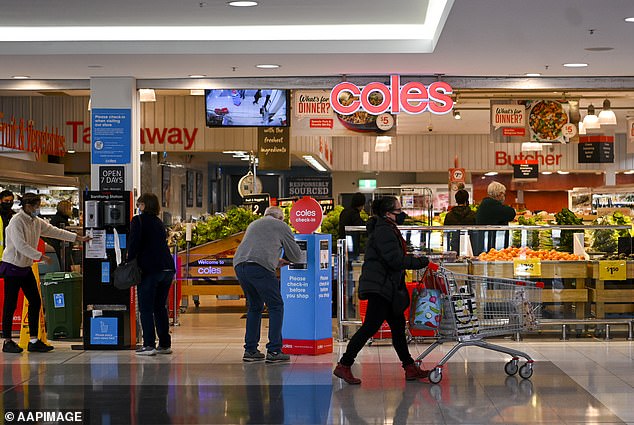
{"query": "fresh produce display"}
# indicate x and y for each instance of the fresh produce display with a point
(536, 239)
(213, 227)
(508, 254)
(330, 223)
(567, 217)
(607, 240)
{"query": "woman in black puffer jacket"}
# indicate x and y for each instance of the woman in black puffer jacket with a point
(383, 271)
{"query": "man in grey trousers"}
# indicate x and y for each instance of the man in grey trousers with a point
(255, 262)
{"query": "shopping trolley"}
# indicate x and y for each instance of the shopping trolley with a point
(477, 307)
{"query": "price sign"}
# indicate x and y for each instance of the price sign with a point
(612, 270)
(529, 267)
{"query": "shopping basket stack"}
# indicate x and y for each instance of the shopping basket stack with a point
(474, 308)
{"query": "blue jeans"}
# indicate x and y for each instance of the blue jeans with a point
(261, 286)
(153, 292)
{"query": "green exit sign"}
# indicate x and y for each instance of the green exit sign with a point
(367, 183)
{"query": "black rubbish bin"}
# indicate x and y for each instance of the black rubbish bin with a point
(61, 296)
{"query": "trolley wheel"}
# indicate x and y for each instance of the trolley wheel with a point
(511, 367)
(526, 371)
(435, 376)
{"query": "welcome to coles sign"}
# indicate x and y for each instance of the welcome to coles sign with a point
(413, 97)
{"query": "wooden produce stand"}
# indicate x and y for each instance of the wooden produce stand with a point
(618, 297)
(208, 269)
(572, 273)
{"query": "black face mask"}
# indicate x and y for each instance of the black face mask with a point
(400, 218)
(5, 207)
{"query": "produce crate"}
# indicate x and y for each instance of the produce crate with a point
(608, 296)
(570, 276)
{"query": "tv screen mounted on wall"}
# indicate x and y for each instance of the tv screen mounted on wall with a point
(246, 108)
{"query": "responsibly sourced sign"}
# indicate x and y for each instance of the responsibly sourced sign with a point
(414, 97)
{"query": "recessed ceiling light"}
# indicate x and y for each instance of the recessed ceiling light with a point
(267, 66)
(491, 173)
(533, 74)
(242, 3)
(575, 65)
(599, 49)
(631, 19)
(197, 76)
(20, 77)
(629, 172)
(563, 172)
(546, 172)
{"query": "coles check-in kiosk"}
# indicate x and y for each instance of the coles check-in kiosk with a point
(306, 287)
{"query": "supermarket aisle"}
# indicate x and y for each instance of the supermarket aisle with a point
(205, 381)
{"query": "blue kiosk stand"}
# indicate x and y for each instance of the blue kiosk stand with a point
(306, 290)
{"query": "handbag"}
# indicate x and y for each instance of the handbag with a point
(127, 275)
(426, 310)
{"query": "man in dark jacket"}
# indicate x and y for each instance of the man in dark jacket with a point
(351, 216)
(492, 211)
(460, 215)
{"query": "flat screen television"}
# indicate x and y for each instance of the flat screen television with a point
(246, 108)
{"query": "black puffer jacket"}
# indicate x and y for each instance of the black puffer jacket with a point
(385, 260)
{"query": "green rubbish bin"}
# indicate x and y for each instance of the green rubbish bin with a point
(61, 296)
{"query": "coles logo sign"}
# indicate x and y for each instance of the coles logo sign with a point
(306, 215)
(413, 97)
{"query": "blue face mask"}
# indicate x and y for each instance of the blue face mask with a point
(35, 213)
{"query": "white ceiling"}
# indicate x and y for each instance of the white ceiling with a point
(479, 38)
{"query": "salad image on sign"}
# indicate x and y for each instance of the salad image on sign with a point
(546, 121)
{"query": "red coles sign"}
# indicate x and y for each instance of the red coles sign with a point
(306, 215)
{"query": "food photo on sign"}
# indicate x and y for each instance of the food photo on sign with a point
(313, 114)
(541, 120)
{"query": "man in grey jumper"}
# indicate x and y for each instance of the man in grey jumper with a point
(255, 262)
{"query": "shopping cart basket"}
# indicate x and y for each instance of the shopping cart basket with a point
(477, 307)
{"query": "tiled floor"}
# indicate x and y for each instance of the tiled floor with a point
(580, 381)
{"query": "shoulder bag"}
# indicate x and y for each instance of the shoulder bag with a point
(127, 274)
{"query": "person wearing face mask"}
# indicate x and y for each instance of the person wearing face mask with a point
(6, 212)
(383, 272)
(23, 234)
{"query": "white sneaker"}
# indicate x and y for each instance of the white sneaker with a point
(146, 351)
